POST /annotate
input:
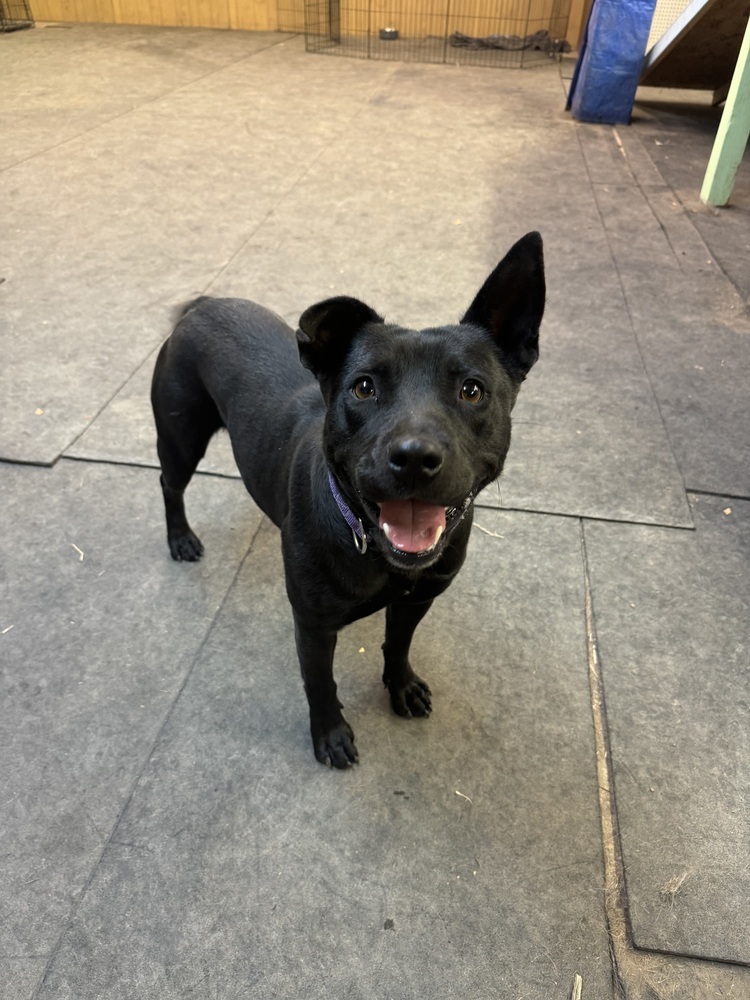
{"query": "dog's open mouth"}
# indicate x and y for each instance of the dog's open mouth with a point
(411, 530)
(412, 525)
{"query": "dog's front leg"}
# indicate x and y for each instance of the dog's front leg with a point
(409, 693)
(332, 736)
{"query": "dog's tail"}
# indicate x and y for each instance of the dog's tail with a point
(179, 312)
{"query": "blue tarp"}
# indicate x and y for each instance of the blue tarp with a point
(609, 64)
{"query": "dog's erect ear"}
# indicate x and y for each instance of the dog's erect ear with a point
(510, 305)
(326, 329)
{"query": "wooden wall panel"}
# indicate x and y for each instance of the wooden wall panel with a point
(97, 11)
(253, 15)
(579, 12)
(413, 18)
(176, 13)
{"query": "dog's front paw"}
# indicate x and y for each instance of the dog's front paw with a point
(410, 699)
(335, 747)
(185, 547)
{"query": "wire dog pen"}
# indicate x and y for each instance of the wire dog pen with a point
(497, 33)
(14, 15)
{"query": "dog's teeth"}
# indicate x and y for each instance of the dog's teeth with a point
(438, 534)
(387, 531)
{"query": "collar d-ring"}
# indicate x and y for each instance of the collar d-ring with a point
(355, 523)
(360, 539)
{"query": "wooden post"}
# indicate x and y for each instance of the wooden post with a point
(731, 138)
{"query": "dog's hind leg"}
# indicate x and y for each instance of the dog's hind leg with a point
(409, 694)
(186, 419)
(184, 544)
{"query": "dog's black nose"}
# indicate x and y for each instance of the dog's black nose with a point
(416, 457)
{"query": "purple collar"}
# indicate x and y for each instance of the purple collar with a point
(354, 522)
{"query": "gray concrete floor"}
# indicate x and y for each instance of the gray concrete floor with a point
(577, 806)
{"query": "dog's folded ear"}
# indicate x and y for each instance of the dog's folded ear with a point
(326, 329)
(510, 305)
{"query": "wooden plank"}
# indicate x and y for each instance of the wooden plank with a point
(700, 49)
(92, 11)
(250, 15)
(414, 18)
(731, 138)
(253, 15)
(579, 12)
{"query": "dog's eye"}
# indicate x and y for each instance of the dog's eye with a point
(364, 388)
(471, 391)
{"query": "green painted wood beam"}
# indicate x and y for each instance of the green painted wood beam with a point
(731, 138)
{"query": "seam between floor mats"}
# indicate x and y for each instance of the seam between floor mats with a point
(637, 184)
(638, 973)
(614, 895)
(125, 464)
(271, 212)
(145, 104)
(154, 350)
(615, 264)
(687, 212)
(478, 506)
(138, 776)
(383, 85)
(243, 244)
(719, 495)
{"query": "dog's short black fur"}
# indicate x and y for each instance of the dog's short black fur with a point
(395, 431)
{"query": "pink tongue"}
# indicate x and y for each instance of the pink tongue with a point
(411, 525)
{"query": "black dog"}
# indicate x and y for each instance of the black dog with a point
(371, 473)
